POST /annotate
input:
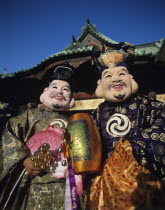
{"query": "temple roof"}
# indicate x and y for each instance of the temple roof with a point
(148, 48)
(91, 28)
(83, 46)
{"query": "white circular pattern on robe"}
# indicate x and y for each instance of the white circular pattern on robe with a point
(142, 106)
(59, 123)
(159, 122)
(145, 134)
(145, 101)
(163, 113)
(155, 136)
(156, 104)
(160, 150)
(163, 171)
(133, 106)
(120, 109)
(143, 161)
(118, 125)
(162, 137)
(163, 160)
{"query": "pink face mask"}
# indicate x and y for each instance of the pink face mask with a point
(114, 78)
(58, 96)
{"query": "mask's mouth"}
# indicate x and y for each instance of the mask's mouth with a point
(58, 97)
(118, 86)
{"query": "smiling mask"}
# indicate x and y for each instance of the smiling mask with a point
(116, 84)
(58, 95)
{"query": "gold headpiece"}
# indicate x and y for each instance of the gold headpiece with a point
(111, 55)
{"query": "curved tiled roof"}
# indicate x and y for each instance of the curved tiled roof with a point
(91, 28)
(148, 49)
(77, 48)
(36, 68)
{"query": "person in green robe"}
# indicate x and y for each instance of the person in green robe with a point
(26, 184)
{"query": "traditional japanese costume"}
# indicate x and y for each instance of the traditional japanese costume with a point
(133, 139)
(133, 170)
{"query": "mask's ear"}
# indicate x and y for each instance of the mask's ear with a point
(98, 91)
(134, 85)
(43, 95)
(72, 103)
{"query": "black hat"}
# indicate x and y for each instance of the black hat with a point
(63, 72)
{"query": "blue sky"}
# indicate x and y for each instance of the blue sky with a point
(32, 30)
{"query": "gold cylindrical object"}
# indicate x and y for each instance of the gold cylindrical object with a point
(84, 144)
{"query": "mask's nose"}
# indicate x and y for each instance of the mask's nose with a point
(116, 78)
(59, 91)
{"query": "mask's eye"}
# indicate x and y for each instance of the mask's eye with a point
(121, 74)
(108, 76)
(66, 89)
(54, 87)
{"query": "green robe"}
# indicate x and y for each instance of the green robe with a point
(38, 192)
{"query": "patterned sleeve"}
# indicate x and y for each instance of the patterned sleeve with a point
(148, 141)
(12, 146)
